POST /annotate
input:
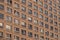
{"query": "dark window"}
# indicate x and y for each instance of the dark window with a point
(46, 6)
(16, 37)
(47, 33)
(16, 30)
(24, 1)
(23, 32)
(30, 26)
(51, 15)
(29, 4)
(36, 36)
(23, 16)
(45, 0)
(1, 34)
(41, 23)
(51, 21)
(41, 37)
(41, 10)
(46, 26)
(51, 27)
(51, 35)
(50, 2)
(46, 12)
(8, 36)
(30, 34)
(9, 2)
(46, 19)
(36, 29)
(23, 38)
(29, 11)
(1, 15)
(47, 38)
(1, 7)
(50, 8)
(23, 8)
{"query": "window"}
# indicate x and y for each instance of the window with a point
(58, 13)
(1, 7)
(30, 34)
(9, 10)
(30, 26)
(45, 0)
(23, 1)
(46, 26)
(35, 29)
(23, 24)
(55, 23)
(8, 27)
(8, 36)
(36, 36)
(46, 19)
(35, 21)
(47, 33)
(29, 11)
(50, 8)
(30, 19)
(51, 27)
(35, 14)
(23, 38)
(41, 3)
(1, 16)
(9, 2)
(56, 30)
(17, 30)
(51, 35)
(23, 16)
(47, 38)
(23, 8)
(54, 10)
(51, 15)
(23, 32)
(16, 21)
(1, 0)
(16, 5)
(1, 34)
(35, 0)
(41, 31)
(41, 10)
(41, 16)
(29, 4)
(1, 25)
(35, 7)
(55, 16)
(54, 4)
(51, 21)
(46, 6)
(50, 2)
(8, 18)
(59, 19)
(46, 12)
(16, 13)
(56, 36)
(41, 37)
(41, 23)
(16, 37)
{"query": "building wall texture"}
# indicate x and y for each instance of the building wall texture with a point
(29, 19)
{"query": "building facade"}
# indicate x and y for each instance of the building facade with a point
(29, 19)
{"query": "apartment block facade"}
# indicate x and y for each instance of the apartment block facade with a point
(29, 19)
